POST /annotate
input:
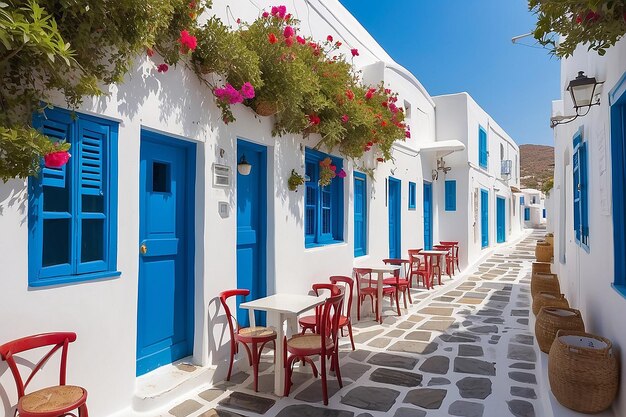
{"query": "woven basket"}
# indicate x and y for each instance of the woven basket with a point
(542, 282)
(265, 108)
(551, 319)
(550, 238)
(544, 299)
(543, 252)
(542, 267)
(583, 371)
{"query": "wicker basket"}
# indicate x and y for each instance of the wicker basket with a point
(265, 108)
(550, 238)
(583, 371)
(542, 282)
(542, 267)
(544, 299)
(551, 319)
(543, 252)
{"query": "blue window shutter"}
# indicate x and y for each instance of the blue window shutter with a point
(584, 204)
(57, 126)
(360, 214)
(521, 201)
(576, 193)
(412, 195)
(450, 195)
(527, 214)
(482, 147)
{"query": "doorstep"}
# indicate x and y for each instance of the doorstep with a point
(165, 384)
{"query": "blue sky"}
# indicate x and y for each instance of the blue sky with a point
(465, 45)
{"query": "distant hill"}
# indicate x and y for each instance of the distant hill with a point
(536, 165)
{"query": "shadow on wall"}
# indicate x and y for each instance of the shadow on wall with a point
(14, 193)
(5, 390)
(284, 162)
(217, 328)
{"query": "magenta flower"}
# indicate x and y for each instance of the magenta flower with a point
(329, 38)
(56, 159)
(289, 32)
(247, 90)
(341, 173)
(163, 68)
(266, 15)
(345, 118)
(407, 134)
(301, 40)
(282, 11)
(187, 42)
(355, 52)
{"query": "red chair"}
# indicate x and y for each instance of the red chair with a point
(371, 291)
(345, 320)
(449, 259)
(246, 336)
(302, 347)
(417, 267)
(402, 285)
(455, 252)
(310, 322)
(55, 401)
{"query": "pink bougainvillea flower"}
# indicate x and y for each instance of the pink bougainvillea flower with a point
(407, 134)
(150, 52)
(288, 32)
(370, 93)
(345, 118)
(192, 5)
(341, 173)
(338, 44)
(329, 38)
(333, 168)
(300, 40)
(247, 90)
(232, 94)
(384, 104)
(163, 68)
(265, 15)
(387, 91)
(187, 42)
(274, 10)
(393, 108)
(56, 159)
(238, 21)
(272, 38)
(350, 94)
(282, 11)
(314, 119)
(354, 52)
(289, 41)
(288, 16)
(379, 159)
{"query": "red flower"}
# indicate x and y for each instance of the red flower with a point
(238, 21)
(274, 10)
(187, 42)
(314, 119)
(192, 5)
(288, 32)
(354, 51)
(265, 15)
(383, 123)
(338, 44)
(301, 40)
(579, 19)
(384, 104)
(407, 134)
(345, 118)
(350, 94)
(56, 159)
(282, 11)
(289, 41)
(288, 16)
(163, 68)
(272, 38)
(150, 52)
(370, 93)
(333, 168)
(379, 159)
(329, 38)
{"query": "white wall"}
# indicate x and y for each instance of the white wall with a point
(586, 277)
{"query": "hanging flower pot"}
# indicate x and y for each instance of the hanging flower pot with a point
(265, 108)
(294, 181)
(56, 159)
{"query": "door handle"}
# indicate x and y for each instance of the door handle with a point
(143, 249)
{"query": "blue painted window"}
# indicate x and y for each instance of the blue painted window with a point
(360, 214)
(323, 206)
(450, 195)
(483, 153)
(412, 196)
(544, 213)
(521, 201)
(581, 204)
(617, 101)
(527, 214)
(72, 210)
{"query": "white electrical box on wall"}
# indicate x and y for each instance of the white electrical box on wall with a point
(221, 175)
(223, 209)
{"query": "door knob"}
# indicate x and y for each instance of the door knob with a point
(143, 249)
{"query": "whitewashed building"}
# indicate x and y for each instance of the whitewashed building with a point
(485, 174)
(587, 212)
(534, 208)
(163, 135)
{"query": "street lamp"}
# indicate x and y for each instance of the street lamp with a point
(244, 167)
(583, 92)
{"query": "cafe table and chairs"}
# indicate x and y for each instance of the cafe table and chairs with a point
(365, 287)
(455, 250)
(400, 283)
(417, 268)
(433, 264)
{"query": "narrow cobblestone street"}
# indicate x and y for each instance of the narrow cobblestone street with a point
(466, 351)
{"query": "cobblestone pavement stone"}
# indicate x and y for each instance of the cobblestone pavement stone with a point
(462, 350)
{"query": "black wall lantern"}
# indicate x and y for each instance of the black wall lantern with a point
(244, 167)
(583, 92)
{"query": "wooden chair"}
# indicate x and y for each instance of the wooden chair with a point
(417, 268)
(448, 258)
(364, 276)
(310, 322)
(254, 336)
(455, 252)
(54, 401)
(345, 320)
(401, 285)
(324, 344)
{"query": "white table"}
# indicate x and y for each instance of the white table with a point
(381, 270)
(281, 307)
(433, 253)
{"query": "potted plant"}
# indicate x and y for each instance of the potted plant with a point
(294, 181)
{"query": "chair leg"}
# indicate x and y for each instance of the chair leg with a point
(232, 357)
(358, 308)
(398, 301)
(337, 370)
(256, 357)
(82, 411)
(350, 333)
(324, 382)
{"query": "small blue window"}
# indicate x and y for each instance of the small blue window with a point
(483, 153)
(521, 201)
(73, 209)
(323, 206)
(412, 197)
(450, 195)
(544, 213)
(360, 214)
(527, 214)
(581, 205)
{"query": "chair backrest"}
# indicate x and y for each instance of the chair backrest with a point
(331, 313)
(360, 274)
(402, 263)
(58, 340)
(447, 248)
(225, 295)
(349, 289)
(414, 261)
(334, 290)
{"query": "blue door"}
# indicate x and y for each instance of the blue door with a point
(251, 223)
(395, 242)
(484, 217)
(428, 215)
(500, 219)
(360, 215)
(527, 214)
(166, 230)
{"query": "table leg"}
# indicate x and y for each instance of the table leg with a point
(252, 318)
(275, 320)
(379, 292)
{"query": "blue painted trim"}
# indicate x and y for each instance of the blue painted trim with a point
(483, 148)
(617, 93)
(620, 289)
(484, 218)
(71, 279)
(397, 215)
(427, 187)
(618, 174)
(450, 195)
(360, 248)
(412, 195)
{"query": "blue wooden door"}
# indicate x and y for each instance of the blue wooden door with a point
(393, 204)
(500, 219)
(428, 215)
(251, 232)
(360, 214)
(166, 215)
(484, 217)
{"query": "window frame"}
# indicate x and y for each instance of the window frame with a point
(483, 151)
(580, 174)
(335, 207)
(76, 181)
(617, 112)
(450, 195)
(412, 195)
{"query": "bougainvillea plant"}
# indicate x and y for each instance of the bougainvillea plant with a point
(599, 24)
